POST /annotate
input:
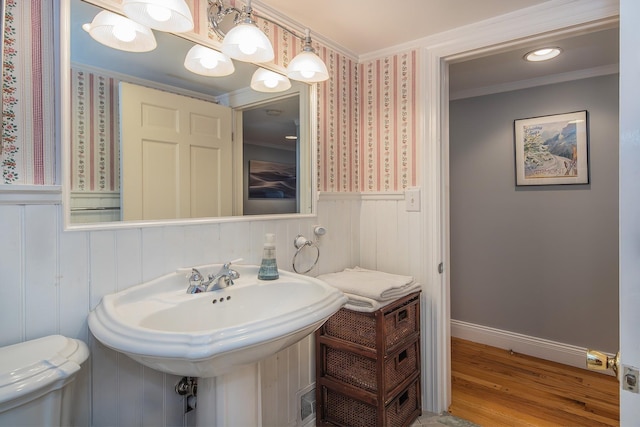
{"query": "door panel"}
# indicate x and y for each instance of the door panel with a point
(160, 195)
(176, 156)
(205, 162)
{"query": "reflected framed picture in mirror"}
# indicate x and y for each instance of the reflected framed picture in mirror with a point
(272, 180)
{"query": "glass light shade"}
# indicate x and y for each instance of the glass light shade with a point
(208, 62)
(164, 15)
(268, 81)
(245, 42)
(307, 67)
(118, 32)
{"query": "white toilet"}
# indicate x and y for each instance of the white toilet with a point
(36, 381)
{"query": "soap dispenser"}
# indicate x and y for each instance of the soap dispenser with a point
(268, 268)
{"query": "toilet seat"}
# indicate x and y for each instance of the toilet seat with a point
(33, 368)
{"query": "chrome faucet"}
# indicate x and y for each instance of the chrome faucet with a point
(220, 280)
(223, 278)
(196, 284)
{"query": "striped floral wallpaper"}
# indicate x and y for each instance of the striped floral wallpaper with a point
(366, 112)
(28, 98)
(94, 132)
(388, 120)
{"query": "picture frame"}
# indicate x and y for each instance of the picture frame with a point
(552, 150)
(272, 180)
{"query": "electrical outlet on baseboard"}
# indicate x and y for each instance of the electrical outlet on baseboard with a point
(307, 406)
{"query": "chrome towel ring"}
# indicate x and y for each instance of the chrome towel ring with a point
(301, 242)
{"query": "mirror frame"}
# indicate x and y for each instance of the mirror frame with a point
(63, 127)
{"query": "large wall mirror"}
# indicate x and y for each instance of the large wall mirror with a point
(144, 139)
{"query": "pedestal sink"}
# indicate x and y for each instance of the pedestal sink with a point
(218, 336)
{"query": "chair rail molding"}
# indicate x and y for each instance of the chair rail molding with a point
(30, 194)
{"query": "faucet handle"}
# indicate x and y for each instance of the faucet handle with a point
(227, 264)
(226, 274)
(195, 275)
(195, 282)
(228, 271)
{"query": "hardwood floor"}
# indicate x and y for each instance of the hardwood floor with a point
(495, 387)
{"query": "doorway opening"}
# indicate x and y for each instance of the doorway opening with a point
(518, 279)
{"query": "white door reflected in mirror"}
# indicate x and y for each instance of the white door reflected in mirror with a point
(177, 156)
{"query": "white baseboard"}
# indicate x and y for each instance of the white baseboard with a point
(531, 346)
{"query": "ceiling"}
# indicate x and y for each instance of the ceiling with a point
(367, 26)
(590, 54)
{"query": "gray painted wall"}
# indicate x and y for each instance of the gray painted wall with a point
(540, 261)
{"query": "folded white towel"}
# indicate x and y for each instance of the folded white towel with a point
(375, 285)
(363, 304)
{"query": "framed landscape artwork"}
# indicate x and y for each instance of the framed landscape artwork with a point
(552, 150)
(272, 180)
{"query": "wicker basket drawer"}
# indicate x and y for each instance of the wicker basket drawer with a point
(360, 371)
(343, 410)
(396, 322)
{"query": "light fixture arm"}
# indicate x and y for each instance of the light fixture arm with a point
(307, 42)
(306, 66)
(217, 12)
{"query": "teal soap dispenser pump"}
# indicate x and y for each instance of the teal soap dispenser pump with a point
(268, 267)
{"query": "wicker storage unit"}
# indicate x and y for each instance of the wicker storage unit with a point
(368, 366)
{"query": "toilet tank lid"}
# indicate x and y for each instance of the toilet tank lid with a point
(39, 363)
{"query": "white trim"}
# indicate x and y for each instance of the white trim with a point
(436, 378)
(324, 196)
(15, 194)
(554, 351)
(94, 200)
(540, 81)
(382, 196)
(374, 195)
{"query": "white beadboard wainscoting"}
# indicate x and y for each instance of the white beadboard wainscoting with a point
(52, 278)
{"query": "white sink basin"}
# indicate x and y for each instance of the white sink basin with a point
(207, 334)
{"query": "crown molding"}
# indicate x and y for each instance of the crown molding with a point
(300, 29)
(540, 81)
(510, 28)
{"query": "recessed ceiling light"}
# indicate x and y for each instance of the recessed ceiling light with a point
(542, 54)
(273, 112)
(291, 137)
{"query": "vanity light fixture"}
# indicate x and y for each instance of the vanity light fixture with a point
(245, 41)
(264, 80)
(307, 66)
(164, 15)
(208, 62)
(120, 33)
(543, 54)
